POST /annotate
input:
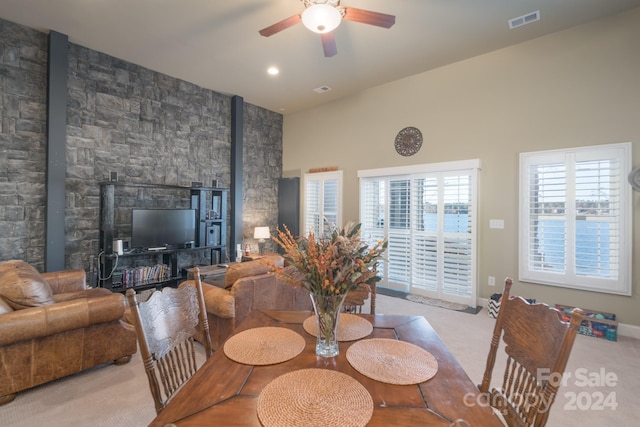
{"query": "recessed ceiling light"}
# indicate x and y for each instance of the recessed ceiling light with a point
(273, 71)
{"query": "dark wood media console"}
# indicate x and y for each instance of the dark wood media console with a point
(141, 269)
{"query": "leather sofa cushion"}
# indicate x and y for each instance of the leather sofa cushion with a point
(251, 268)
(65, 316)
(219, 301)
(21, 286)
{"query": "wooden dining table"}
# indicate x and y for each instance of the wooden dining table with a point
(225, 393)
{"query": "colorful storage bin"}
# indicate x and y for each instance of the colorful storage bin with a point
(595, 323)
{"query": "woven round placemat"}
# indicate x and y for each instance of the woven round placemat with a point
(392, 361)
(264, 346)
(350, 327)
(314, 397)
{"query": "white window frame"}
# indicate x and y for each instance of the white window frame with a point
(529, 262)
(321, 178)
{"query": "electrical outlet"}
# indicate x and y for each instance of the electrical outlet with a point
(492, 281)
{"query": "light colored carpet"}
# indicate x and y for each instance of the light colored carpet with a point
(118, 396)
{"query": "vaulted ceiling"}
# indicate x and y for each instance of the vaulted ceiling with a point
(215, 44)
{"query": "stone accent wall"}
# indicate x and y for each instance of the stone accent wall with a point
(23, 96)
(145, 126)
(262, 156)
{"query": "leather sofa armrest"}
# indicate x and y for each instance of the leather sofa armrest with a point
(86, 293)
(66, 280)
(219, 301)
(36, 322)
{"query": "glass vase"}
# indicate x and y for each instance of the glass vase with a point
(327, 309)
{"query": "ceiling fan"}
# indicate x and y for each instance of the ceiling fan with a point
(324, 16)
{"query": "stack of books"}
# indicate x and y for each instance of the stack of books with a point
(144, 275)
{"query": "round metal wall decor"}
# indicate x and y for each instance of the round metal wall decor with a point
(634, 179)
(408, 141)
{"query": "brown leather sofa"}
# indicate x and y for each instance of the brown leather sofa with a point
(52, 326)
(248, 286)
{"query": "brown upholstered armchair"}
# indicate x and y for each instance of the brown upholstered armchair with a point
(246, 287)
(52, 326)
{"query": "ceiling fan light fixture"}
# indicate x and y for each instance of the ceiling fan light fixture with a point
(321, 18)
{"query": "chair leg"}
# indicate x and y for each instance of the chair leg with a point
(7, 398)
(123, 360)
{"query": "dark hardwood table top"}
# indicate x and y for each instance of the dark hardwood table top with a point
(225, 393)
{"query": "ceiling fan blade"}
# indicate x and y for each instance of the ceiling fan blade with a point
(328, 44)
(279, 26)
(369, 17)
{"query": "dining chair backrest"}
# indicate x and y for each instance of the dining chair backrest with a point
(355, 299)
(537, 344)
(166, 325)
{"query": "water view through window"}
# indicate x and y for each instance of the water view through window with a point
(592, 252)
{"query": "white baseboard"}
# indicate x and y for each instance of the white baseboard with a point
(631, 331)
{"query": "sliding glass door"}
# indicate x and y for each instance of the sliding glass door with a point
(429, 220)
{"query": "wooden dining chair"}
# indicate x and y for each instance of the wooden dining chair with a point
(537, 345)
(356, 298)
(166, 325)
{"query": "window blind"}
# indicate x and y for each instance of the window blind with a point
(575, 218)
(323, 202)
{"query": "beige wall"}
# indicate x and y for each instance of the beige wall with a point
(575, 88)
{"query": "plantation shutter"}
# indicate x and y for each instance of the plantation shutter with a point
(458, 262)
(323, 202)
(330, 202)
(425, 263)
(575, 215)
(399, 231)
(386, 213)
(372, 214)
(312, 205)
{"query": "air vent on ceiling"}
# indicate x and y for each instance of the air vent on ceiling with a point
(524, 19)
(322, 89)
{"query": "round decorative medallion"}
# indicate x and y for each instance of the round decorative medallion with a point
(634, 179)
(408, 141)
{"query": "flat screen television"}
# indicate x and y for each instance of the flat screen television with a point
(155, 228)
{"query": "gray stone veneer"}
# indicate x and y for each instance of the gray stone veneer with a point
(124, 118)
(23, 95)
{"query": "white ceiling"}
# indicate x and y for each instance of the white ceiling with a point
(215, 43)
